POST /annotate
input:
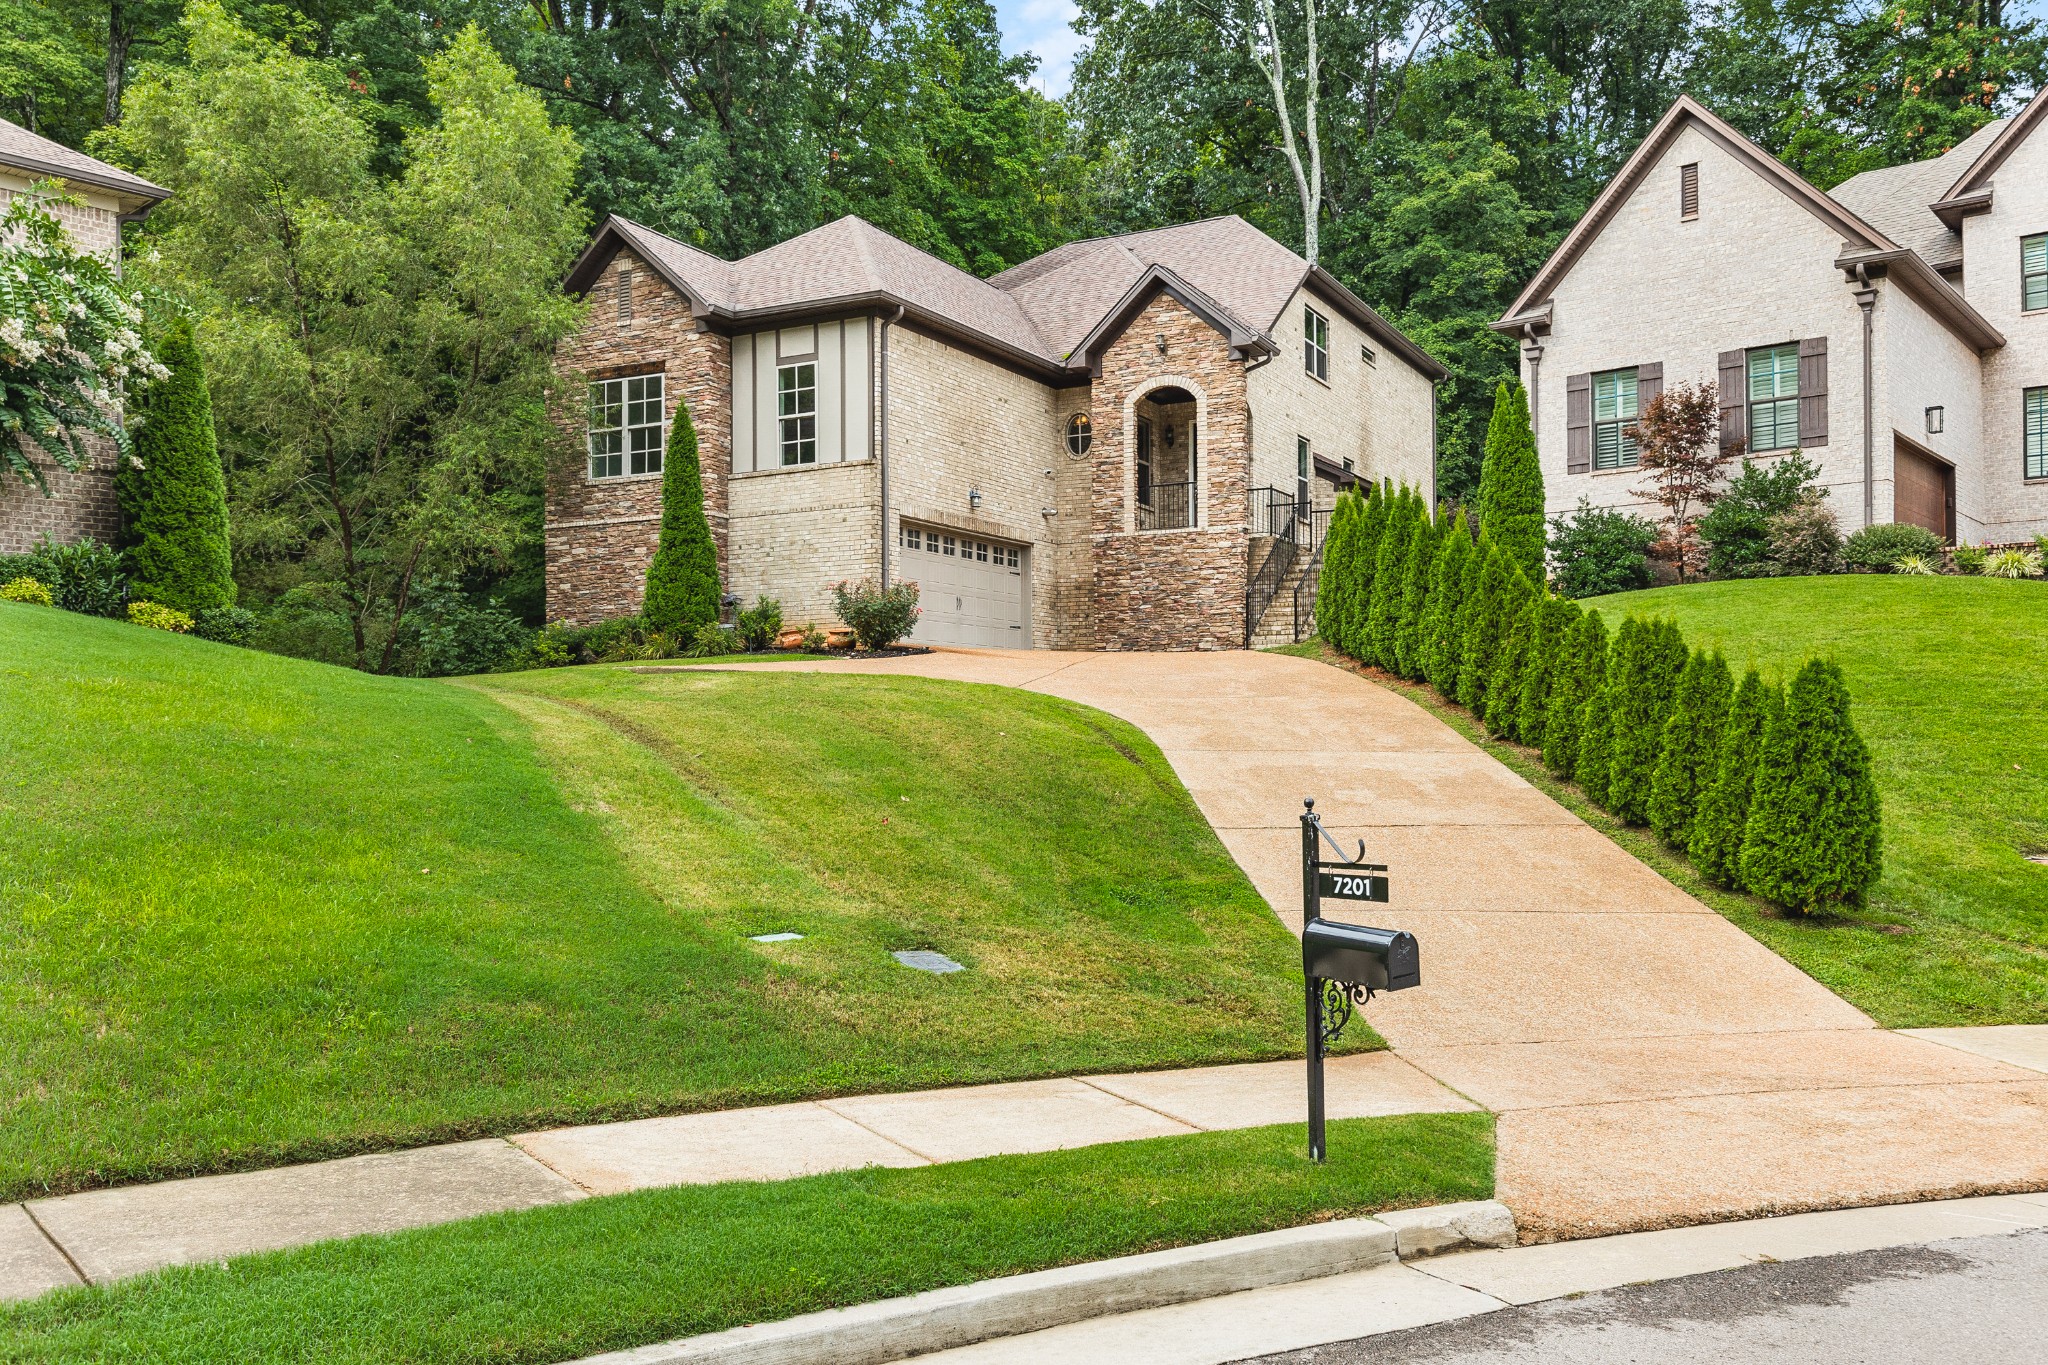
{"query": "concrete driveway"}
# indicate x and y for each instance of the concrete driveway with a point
(1651, 1064)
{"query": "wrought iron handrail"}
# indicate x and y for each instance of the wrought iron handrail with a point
(1275, 513)
(1305, 596)
(1167, 507)
(1264, 584)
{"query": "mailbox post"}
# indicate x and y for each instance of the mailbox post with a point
(1342, 964)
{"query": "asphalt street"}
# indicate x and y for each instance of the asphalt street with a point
(1979, 1301)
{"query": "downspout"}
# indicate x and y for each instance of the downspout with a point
(1532, 351)
(882, 451)
(1435, 388)
(1866, 299)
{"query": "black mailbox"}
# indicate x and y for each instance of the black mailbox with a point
(1378, 959)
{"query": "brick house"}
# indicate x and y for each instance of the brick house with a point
(1894, 329)
(1116, 445)
(80, 504)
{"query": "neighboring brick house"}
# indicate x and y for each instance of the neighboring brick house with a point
(1098, 448)
(1894, 330)
(83, 503)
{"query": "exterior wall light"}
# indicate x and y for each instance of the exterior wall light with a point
(1934, 420)
(1161, 338)
(974, 499)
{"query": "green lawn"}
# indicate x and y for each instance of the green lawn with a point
(1949, 678)
(255, 910)
(563, 1282)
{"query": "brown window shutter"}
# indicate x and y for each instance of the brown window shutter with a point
(1734, 400)
(1689, 190)
(1649, 383)
(1578, 423)
(1813, 391)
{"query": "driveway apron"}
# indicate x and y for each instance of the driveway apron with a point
(1652, 1065)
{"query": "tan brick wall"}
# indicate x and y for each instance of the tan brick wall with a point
(797, 531)
(601, 532)
(1179, 589)
(2002, 504)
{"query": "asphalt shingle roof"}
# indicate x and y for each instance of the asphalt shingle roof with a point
(37, 155)
(1895, 200)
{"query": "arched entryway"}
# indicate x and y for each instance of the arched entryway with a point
(1165, 454)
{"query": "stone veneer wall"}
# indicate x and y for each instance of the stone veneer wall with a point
(601, 533)
(84, 503)
(1181, 589)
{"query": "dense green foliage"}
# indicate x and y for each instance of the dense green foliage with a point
(1737, 528)
(550, 1284)
(1600, 550)
(173, 496)
(1881, 546)
(1333, 584)
(1643, 679)
(1445, 602)
(1411, 626)
(1577, 675)
(1813, 840)
(1692, 741)
(1715, 840)
(682, 577)
(1483, 619)
(1514, 660)
(1511, 483)
(1389, 590)
(321, 912)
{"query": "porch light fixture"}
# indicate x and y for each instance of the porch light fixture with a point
(1161, 338)
(974, 499)
(1934, 420)
(1168, 437)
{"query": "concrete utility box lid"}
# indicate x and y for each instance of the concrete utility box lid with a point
(927, 961)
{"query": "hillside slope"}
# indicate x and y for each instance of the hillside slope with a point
(1949, 678)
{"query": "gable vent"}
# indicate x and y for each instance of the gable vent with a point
(625, 294)
(1689, 191)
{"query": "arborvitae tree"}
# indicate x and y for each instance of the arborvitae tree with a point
(1646, 666)
(1511, 483)
(1595, 765)
(1551, 652)
(1814, 837)
(1723, 815)
(1446, 601)
(174, 495)
(1691, 737)
(1411, 630)
(1338, 539)
(682, 578)
(1372, 528)
(1523, 608)
(1486, 621)
(1383, 613)
(1578, 678)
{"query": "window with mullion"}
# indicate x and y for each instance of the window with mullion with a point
(1614, 411)
(796, 410)
(2034, 271)
(2037, 434)
(627, 426)
(1774, 397)
(1315, 349)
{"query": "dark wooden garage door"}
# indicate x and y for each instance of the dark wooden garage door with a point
(1923, 490)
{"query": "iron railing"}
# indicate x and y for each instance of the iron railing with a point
(1305, 596)
(1264, 584)
(1166, 507)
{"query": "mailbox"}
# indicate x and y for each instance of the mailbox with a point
(1378, 959)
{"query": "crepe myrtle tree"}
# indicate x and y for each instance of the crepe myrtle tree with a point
(1678, 448)
(70, 341)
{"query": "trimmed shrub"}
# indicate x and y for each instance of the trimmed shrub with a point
(1878, 548)
(878, 617)
(1338, 541)
(1593, 760)
(1814, 837)
(759, 624)
(1645, 673)
(1522, 610)
(1365, 558)
(1737, 530)
(1511, 483)
(25, 589)
(1485, 620)
(226, 625)
(682, 578)
(1969, 558)
(1692, 738)
(174, 494)
(1550, 653)
(1578, 675)
(1383, 612)
(86, 577)
(157, 616)
(1599, 551)
(1411, 632)
(1806, 540)
(1446, 597)
(1715, 843)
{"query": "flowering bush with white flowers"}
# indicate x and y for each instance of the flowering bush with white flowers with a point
(70, 342)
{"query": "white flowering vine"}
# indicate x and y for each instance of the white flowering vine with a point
(70, 348)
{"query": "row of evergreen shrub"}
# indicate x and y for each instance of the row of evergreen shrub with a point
(1766, 788)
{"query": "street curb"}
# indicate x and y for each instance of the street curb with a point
(941, 1319)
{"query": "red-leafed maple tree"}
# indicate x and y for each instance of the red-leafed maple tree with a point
(1678, 447)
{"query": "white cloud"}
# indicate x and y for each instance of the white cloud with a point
(1046, 28)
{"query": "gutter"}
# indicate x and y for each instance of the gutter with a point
(882, 449)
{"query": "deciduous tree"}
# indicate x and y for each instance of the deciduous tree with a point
(1680, 452)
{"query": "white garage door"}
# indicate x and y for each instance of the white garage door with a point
(972, 590)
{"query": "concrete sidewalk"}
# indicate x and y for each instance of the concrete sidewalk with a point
(1652, 1064)
(110, 1234)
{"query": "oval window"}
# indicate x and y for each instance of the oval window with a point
(1080, 434)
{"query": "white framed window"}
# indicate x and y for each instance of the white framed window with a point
(796, 412)
(1315, 343)
(1614, 411)
(627, 426)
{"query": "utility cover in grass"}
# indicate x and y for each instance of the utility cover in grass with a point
(775, 938)
(927, 961)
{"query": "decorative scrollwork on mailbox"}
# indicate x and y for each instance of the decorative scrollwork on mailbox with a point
(1340, 998)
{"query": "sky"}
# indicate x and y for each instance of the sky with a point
(1043, 27)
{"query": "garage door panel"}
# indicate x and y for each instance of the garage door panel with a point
(971, 589)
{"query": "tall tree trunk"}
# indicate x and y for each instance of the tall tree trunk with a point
(120, 32)
(1308, 181)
